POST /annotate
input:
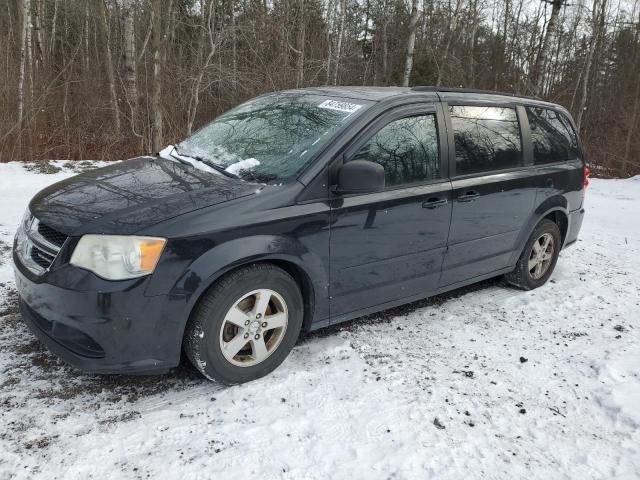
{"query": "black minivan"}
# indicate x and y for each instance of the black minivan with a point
(296, 210)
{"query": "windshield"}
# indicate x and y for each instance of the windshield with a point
(271, 137)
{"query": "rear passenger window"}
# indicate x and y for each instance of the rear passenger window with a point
(486, 138)
(407, 148)
(552, 136)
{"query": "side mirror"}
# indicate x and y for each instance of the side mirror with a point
(360, 176)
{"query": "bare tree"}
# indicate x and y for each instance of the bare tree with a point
(597, 20)
(411, 42)
(161, 71)
(539, 70)
(156, 89)
(86, 35)
(300, 44)
(129, 58)
(26, 25)
(54, 23)
(208, 26)
(343, 17)
(111, 79)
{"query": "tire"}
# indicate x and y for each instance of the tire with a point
(258, 310)
(530, 278)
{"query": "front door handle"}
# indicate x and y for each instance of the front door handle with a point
(469, 196)
(434, 203)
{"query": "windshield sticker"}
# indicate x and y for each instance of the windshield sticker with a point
(340, 106)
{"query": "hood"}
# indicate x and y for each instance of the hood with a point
(128, 196)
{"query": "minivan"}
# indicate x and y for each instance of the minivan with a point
(294, 211)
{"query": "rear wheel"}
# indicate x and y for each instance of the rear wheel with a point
(539, 257)
(245, 325)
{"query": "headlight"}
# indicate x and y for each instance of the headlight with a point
(117, 257)
(25, 223)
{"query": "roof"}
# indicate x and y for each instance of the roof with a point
(377, 94)
(470, 91)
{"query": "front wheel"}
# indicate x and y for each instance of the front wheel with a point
(539, 257)
(245, 325)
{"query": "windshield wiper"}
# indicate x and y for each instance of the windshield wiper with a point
(184, 162)
(208, 163)
(216, 167)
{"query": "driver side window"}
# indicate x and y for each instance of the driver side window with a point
(407, 148)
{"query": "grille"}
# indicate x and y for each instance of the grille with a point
(41, 257)
(51, 235)
(37, 245)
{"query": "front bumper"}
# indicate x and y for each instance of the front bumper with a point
(100, 326)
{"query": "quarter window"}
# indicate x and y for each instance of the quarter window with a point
(552, 136)
(486, 138)
(407, 148)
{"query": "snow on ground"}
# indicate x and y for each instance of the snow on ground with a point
(484, 382)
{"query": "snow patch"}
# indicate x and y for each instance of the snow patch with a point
(238, 167)
(431, 390)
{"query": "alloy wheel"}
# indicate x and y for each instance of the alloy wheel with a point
(254, 327)
(541, 256)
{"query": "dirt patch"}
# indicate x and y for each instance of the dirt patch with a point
(40, 443)
(124, 417)
(9, 305)
(71, 383)
(81, 166)
(5, 252)
(42, 166)
(34, 379)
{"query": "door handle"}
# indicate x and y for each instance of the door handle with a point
(434, 203)
(469, 196)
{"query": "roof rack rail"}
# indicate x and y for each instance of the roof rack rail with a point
(429, 88)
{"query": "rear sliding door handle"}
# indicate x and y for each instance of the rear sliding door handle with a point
(469, 196)
(434, 203)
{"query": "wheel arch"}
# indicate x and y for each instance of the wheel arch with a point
(554, 209)
(306, 269)
(560, 218)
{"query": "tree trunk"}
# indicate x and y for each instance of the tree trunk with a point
(129, 59)
(541, 64)
(52, 37)
(86, 37)
(514, 37)
(156, 88)
(330, 20)
(234, 46)
(143, 49)
(599, 8)
(343, 15)
(113, 96)
(411, 43)
(453, 24)
(300, 44)
(472, 41)
(26, 25)
(37, 27)
(385, 51)
(208, 26)
(631, 131)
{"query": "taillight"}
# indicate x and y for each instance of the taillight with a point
(586, 173)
